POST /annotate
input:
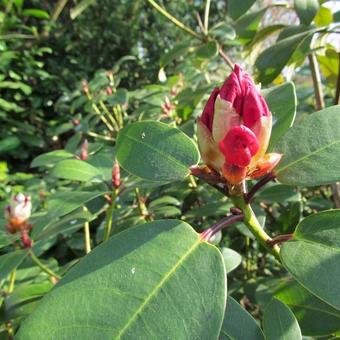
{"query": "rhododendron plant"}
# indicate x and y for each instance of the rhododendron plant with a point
(234, 130)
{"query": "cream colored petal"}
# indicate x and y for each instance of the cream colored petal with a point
(262, 130)
(225, 117)
(209, 150)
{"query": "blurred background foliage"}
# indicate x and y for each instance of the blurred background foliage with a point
(72, 71)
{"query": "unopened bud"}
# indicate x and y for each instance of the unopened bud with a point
(86, 87)
(75, 122)
(109, 91)
(25, 239)
(116, 175)
(18, 212)
(84, 153)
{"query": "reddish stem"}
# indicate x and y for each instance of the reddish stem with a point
(225, 222)
(250, 195)
(279, 239)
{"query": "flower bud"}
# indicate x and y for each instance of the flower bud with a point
(84, 152)
(116, 175)
(234, 130)
(18, 212)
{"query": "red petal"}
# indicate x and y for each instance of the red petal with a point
(233, 173)
(207, 116)
(239, 145)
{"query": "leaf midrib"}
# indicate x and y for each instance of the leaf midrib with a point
(158, 287)
(307, 156)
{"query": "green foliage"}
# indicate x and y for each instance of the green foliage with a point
(152, 271)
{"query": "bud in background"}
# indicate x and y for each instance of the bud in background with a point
(18, 213)
(234, 130)
(84, 153)
(116, 175)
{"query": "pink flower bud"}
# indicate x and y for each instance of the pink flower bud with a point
(84, 153)
(116, 175)
(234, 130)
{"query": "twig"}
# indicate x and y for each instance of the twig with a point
(87, 235)
(279, 239)
(255, 188)
(225, 58)
(225, 222)
(314, 67)
(108, 223)
(206, 16)
(44, 268)
(173, 19)
(200, 23)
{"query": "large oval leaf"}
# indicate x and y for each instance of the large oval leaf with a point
(238, 324)
(156, 151)
(280, 323)
(281, 101)
(155, 281)
(311, 150)
(315, 317)
(313, 255)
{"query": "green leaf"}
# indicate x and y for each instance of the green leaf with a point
(155, 151)
(157, 280)
(22, 301)
(238, 324)
(237, 8)
(324, 16)
(272, 60)
(247, 26)
(16, 85)
(179, 50)
(279, 322)
(315, 317)
(232, 259)
(76, 170)
(207, 50)
(37, 13)
(313, 255)
(310, 150)
(51, 158)
(10, 261)
(9, 143)
(63, 203)
(80, 8)
(282, 102)
(306, 10)
(278, 193)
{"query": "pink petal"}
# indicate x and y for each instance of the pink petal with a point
(239, 145)
(207, 116)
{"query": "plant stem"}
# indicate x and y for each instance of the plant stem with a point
(87, 235)
(314, 67)
(44, 268)
(108, 222)
(337, 93)
(251, 221)
(225, 222)
(58, 9)
(173, 19)
(279, 239)
(143, 210)
(250, 195)
(96, 135)
(225, 58)
(206, 16)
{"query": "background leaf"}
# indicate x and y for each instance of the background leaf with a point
(281, 101)
(306, 10)
(76, 170)
(238, 324)
(279, 322)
